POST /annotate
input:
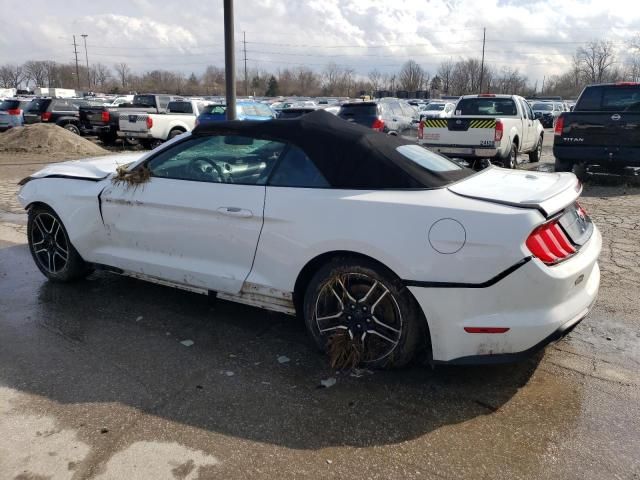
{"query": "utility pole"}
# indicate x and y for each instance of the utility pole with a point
(246, 81)
(229, 60)
(484, 39)
(543, 79)
(75, 50)
(86, 54)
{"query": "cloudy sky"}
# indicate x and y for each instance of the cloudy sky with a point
(536, 36)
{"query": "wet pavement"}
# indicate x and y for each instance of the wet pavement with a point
(95, 383)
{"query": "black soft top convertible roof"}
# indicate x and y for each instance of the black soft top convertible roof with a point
(347, 154)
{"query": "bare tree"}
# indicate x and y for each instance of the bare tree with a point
(445, 72)
(123, 71)
(12, 76)
(595, 61)
(36, 72)
(100, 74)
(411, 76)
(375, 78)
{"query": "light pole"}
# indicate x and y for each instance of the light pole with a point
(86, 55)
(229, 60)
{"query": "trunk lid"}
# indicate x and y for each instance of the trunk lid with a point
(547, 192)
(133, 122)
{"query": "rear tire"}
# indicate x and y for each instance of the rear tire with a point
(72, 128)
(366, 306)
(563, 165)
(536, 155)
(174, 133)
(511, 161)
(51, 249)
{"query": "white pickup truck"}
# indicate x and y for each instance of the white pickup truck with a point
(486, 126)
(154, 128)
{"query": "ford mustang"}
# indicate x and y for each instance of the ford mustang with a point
(381, 247)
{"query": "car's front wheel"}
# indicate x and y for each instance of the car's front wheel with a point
(51, 248)
(360, 314)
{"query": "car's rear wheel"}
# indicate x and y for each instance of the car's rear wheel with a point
(174, 133)
(51, 248)
(360, 313)
(563, 165)
(512, 160)
(72, 128)
(536, 155)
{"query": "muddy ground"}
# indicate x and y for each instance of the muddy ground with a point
(94, 383)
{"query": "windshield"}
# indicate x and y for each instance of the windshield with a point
(359, 110)
(215, 109)
(435, 106)
(486, 106)
(542, 106)
(9, 105)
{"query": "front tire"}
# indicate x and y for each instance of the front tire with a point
(360, 313)
(51, 248)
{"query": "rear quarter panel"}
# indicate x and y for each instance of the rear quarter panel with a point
(391, 227)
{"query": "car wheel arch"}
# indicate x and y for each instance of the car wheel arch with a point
(313, 265)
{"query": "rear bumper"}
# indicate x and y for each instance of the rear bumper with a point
(135, 134)
(608, 158)
(537, 303)
(459, 151)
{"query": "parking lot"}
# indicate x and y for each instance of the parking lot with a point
(95, 382)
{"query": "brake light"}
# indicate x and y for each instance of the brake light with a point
(499, 131)
(486, 329)
(559, 125)
(45, 116)
(149, 122)
(105, 116)
(626, 84)
(484, 95)
(549, 243)
(14, 111)
(378, 125)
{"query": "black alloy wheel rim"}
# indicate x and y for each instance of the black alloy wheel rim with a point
(49, 243)
(361, 307)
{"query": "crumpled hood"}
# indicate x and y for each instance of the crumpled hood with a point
(94, 168)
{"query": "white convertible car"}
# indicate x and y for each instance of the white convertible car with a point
(381, 246)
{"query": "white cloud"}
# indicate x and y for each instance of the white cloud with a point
(538, 37)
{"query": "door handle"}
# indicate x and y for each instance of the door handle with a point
(235, 212)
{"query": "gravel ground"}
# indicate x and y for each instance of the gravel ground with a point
(94, 383)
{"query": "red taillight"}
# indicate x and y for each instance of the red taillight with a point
(149, 122)
(45, 116)
(378, 125)
(499, 131)
(484, 95)
(549, 243)
(627, 84)
(486, 329)
(559, 125)
(14, 111)
(420, 130)
(105, 117)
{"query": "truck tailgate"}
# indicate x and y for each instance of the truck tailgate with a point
(134, 123)
(448, 131)
(600, 128)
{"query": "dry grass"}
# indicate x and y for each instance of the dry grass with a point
(131, 179)
(345, 353)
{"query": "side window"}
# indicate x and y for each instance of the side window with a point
(295, 169)
(219, 159)
(526, 113)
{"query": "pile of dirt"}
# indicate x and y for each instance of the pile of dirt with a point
(47, 139)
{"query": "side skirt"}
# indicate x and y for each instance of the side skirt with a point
(251, 294)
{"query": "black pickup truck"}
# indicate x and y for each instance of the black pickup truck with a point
(104, 121)
(602, 133)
